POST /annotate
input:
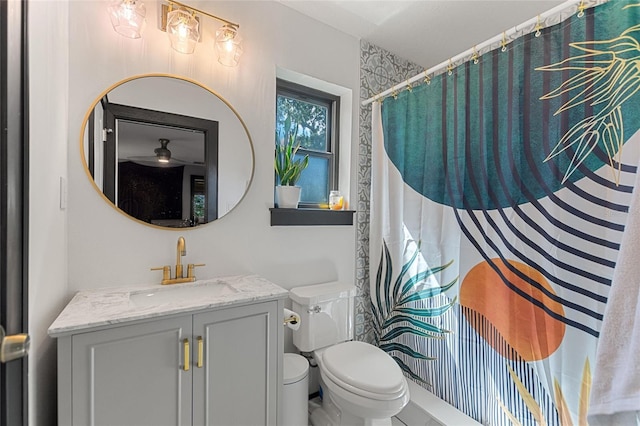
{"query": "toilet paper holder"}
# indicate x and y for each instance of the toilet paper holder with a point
(291, 319)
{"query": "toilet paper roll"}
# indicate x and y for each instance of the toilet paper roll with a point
(291, 319)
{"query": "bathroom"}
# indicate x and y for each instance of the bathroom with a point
(77, 242)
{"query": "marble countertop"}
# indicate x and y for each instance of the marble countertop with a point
(108, 306)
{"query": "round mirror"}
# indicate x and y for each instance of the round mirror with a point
(167, 151)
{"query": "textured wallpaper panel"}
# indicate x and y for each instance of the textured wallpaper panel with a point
(379, 70)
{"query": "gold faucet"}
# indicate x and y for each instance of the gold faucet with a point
(181, 250)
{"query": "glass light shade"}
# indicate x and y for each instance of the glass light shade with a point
(128, 17)
(228, 45)
(163, 154)
(183, 30)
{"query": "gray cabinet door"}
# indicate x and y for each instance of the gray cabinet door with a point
(238, 381)
(132, 375)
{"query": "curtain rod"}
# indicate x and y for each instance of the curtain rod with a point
(503, 39)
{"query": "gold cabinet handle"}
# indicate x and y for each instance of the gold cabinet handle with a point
(185, 345)
(200, 352)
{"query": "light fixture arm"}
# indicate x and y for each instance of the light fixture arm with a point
(204, 13)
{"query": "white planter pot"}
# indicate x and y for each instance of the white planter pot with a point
(287, 197)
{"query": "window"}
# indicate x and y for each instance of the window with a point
(311, 116)
(198, 199)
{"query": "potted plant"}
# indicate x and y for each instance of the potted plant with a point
(288, 170)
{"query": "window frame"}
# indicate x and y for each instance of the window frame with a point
(332, 103)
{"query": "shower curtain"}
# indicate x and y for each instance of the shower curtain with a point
(500, 191)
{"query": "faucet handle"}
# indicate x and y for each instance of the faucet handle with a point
(166, 271)
(191, 267)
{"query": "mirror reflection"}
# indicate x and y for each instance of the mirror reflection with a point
(167, 151)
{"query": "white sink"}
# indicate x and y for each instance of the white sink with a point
(180, 293)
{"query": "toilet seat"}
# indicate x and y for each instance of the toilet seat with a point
(364, 370)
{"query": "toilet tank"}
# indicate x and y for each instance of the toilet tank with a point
(326, 314)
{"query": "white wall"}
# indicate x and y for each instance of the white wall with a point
(106, 248)
(49, 134)
(90, 244)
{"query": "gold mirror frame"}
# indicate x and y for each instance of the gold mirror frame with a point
(83, 153)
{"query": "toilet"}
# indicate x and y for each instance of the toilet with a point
(360, 384)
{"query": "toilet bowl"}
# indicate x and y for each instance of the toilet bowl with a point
(360, 384)
(363, 380)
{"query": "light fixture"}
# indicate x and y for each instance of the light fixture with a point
(163, 154)
(228, 45)
(128, 17)
(183, 28)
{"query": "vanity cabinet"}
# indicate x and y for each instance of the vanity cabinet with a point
(215, 367)
(237, 385)
(128, 375)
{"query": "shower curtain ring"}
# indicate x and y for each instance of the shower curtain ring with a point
(475, 56)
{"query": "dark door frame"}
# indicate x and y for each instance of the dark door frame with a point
(14, 172)
(209, 128)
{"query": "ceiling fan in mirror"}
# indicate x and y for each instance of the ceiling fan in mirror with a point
(162, 157)
(163, 154)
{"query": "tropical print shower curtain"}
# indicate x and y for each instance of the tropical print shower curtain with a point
(499, 196)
